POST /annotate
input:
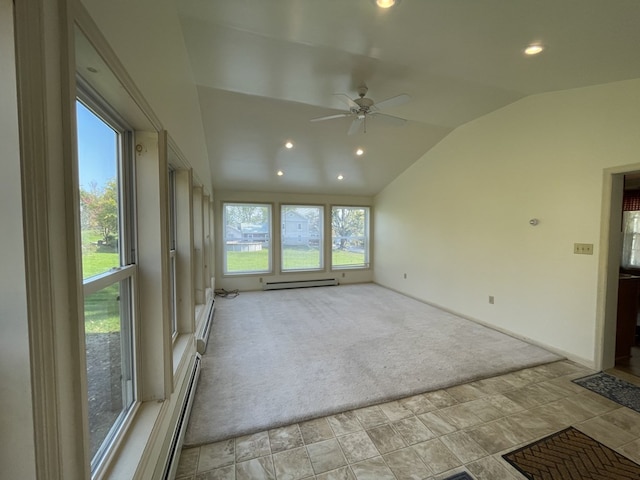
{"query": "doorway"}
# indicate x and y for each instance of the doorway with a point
(620, 263)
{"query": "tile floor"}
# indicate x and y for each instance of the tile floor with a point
(429, 436)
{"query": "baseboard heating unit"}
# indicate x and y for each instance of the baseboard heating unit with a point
(202, 335)
(327, 282)
(177, 438)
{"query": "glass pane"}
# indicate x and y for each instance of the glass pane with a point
(630, 240)
(247, 233)
(99, 200)
(108, 354)
(301, 237)
(349, 237)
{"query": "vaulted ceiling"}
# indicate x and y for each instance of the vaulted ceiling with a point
(265, 68)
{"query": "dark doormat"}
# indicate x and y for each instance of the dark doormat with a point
(613, 388)
(571, 455)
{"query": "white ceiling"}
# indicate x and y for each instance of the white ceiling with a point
(264, 68)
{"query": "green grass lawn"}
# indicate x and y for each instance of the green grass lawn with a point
(294, 258)
(102, 308)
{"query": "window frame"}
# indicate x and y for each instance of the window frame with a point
(124, 273)
(321, 241)
(271, 240)
(173, 247)
(366, 265)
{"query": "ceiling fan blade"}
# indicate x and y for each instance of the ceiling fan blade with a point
(329, 117)
(392, 102)
(390, 119)
(346, 99)
(355, 125)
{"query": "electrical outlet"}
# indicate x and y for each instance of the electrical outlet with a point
(260, 279)
(491, 299)
(343, 274)
(583, 248)
(405, 275)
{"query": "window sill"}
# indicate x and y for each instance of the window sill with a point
(129, 457)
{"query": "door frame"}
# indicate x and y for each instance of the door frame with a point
(609, 264)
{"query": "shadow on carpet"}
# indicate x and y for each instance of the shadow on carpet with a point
(613, 388)
(570, 454)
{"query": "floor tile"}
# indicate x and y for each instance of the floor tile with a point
(252, 446)
(465, 393)
(535, 424)
(429, 436)
(326, 456)
(436, 455)
(357, 446)
(463, 446)
(605, 432)
(370, 416)
(395, 411)
(504, 405)
(440, 399)
(488, 468)
(531, 396)
(344, 423)
(216, 455)
(316, 431)
(437, 423)
(285, 438)
(412, 430)
(372, 469)
(292, 464)
(224, 473)
(418, 404)
(386, 439)
(407, 465)
(625, 419)
(461, 416)
(256, 469)
(484, 409)
(343, 473)
(499, 435)
(188, 463)
(494, 385)
(631, 450)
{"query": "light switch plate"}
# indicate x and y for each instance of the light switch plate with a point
(583, 248)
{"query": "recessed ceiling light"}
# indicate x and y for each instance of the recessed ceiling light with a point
(340, 177)
(359, 152)
(289, 145)
(533, 49)
(280, 173)
(385, 3)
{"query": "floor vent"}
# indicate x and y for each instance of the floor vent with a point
(301, 284)
(173, 455)
(202, 335)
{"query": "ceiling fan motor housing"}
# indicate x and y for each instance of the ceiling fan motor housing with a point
(364, 103)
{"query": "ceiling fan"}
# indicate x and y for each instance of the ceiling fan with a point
(361, 108)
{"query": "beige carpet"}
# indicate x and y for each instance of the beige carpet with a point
(280, 357)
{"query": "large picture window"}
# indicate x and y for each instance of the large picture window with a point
(108, 270)
(349, 237)
(302, 239)
(247, 238)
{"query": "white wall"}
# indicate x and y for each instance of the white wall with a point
(147, 38)
(457, 221)
(17, 451)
